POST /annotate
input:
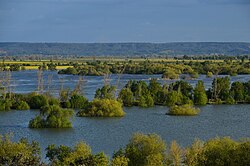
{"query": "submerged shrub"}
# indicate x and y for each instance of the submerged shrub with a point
(103, 108)
(183, 110)
(52, 117)
(78, 101)
(38, 101)
(5, 105)
(21, 105)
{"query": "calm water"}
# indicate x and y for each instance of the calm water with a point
(108, 134)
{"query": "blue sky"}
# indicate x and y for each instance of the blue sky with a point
(124, 20)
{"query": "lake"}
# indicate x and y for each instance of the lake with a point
(109, 134)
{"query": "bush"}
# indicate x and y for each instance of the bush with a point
(53, 101)
(65, 104)
(126, 97)
(52, 117)
(37, 101)
(18, 153)
(78, 101)
(21, 105)
(187, 110)
(103, 108)
(5, 105)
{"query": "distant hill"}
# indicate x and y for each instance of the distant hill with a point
(125, 49)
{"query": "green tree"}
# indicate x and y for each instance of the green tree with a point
(106, 92)
(237, 91)
(221, 88)
(19, 153)
(126, 96)
(200, 96)
(78, 101)
(52, 117)
(154, 88)
(144, 150)
(38, 101)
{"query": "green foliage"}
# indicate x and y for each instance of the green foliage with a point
(186, 110)
(52, 117)
(38, 101)
(219, 151)
(69, 70)
(170, 74)
(103, 108)
(175, 154)
(53, 101)
(145, 150)
(146, 101)
(221, 88)
(237, 91)
(5, 105)
(106, 92)
(200, 96)
(78, 102)
(18, 153)
(173, 98)
(79, 155)
(126, 97)
(21, 105)
(209, 74)
(120, 161)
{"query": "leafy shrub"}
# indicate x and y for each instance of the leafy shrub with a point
(5, 105)
(183, 110)
(18, 153)
(38, 101)
(78, 101)
(103, 108)
(21, 105)
(52, 117)
(79, 155)
(53, 101)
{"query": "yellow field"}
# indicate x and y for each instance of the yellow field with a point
(62, 67)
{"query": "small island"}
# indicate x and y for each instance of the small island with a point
(102, 108)
(183, 110)
(52, 116)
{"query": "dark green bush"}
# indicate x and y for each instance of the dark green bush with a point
(38, 101)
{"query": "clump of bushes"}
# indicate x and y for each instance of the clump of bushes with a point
(79, 155)
(19, 153)
(38, 101)
(186, 110)
(103, 108)
(77, 102)
(5, 105)
(52, 116)
(21, 105)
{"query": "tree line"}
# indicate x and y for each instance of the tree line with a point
(141, 150)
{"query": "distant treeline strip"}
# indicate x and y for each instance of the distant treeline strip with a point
(125, 49)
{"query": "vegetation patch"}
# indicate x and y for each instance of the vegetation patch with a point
(103, 108)
(183, 110)
(52, 117)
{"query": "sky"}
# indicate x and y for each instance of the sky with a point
(98, 21)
